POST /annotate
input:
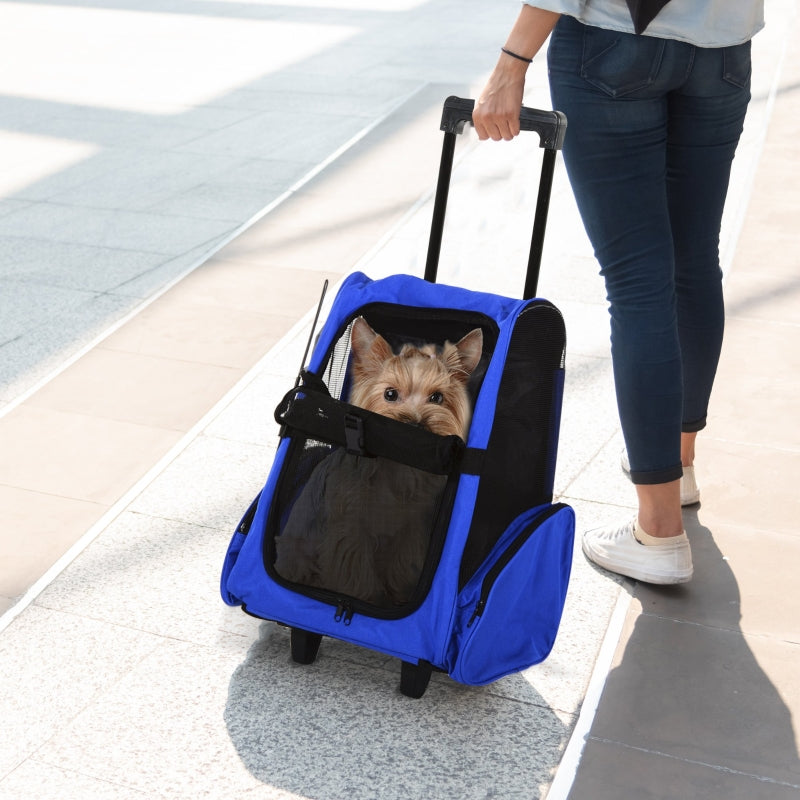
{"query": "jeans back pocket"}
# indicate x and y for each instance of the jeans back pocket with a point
(620, 63)
(736, 65)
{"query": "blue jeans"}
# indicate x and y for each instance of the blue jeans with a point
(653, 125)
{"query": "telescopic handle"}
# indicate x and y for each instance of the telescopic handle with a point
(550, 125)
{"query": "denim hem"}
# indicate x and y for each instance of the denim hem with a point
(693, 427)
(657, 476)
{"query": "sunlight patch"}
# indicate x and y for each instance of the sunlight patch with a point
(28, 159)
(156, 63)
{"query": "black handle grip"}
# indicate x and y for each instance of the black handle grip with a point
(550, 125)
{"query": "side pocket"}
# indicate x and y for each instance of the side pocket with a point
(509, 612)
(234, 548)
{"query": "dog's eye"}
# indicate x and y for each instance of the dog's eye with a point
(390, 395)
(437, 398)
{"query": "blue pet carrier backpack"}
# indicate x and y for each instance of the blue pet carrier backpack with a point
(494, 551)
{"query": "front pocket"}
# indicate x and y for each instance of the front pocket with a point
(509, 612)
(361, 533)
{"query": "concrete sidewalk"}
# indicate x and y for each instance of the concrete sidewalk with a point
(123, 474)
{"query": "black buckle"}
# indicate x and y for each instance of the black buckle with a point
(354, 435)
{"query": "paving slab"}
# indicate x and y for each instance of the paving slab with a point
(722, 704)
(609, 772)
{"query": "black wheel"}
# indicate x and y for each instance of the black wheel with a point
(305, 646)
(414, 678)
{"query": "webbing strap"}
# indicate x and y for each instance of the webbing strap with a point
(310, 410)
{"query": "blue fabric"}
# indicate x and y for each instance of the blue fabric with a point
(653, 127)
(517, 626)
(536, 581)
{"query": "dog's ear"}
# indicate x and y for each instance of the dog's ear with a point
(368, 345)
(469, 350)
(461, 358)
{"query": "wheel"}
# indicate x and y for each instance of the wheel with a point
(305, 646)
(414, 678)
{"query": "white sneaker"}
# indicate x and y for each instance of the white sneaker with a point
(616, 549)
(690, 494)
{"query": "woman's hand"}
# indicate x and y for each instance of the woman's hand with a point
(496, 114)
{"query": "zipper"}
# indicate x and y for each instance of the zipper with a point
(249, 515)
(478, 612)
(501, 563)
(344, 613)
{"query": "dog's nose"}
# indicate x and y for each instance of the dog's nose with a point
(410, 419)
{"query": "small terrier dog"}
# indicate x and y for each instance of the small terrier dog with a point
(362, 525)
(424, 386)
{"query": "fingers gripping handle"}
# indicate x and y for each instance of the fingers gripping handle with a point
(550, 125)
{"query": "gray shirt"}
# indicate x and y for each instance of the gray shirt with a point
(705, 23)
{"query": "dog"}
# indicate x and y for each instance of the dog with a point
(361, 526)
(423, 386)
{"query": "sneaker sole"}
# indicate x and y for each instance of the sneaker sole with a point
(690, 501)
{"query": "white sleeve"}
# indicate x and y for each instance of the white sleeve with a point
(572, 7)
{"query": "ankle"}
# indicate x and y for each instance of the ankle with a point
(643, 537)
(687, 449)
(660, 509)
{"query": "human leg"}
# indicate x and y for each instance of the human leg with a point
(660, 508)
(615, 154)
(689, 493)
(706, 117)
(616, 159)
(688, 448)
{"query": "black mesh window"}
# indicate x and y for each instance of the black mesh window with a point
(519, 467)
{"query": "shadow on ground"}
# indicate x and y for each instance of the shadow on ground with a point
(339, 729)
(689, 712)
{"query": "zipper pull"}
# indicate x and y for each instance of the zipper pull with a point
(343, 613)
(479, 607)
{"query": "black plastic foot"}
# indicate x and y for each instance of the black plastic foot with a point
(414, 678)
(305, 646)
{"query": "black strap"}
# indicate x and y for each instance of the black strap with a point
(472, 461)
(309, 409)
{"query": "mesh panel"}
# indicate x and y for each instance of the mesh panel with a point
(367, 528)
(520, 461)
(335, 373)
(361, 527)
